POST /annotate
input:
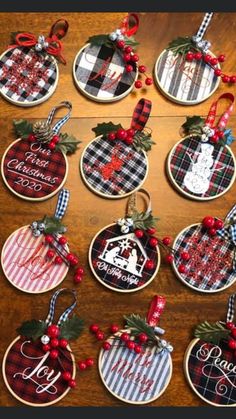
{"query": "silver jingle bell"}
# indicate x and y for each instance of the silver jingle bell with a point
(121, 222)
(129, 222)
(36, 233)
(34, 225)
(163, 343)
(38, 47)
(112, 36)
(118, 32)
(45, 339)
(124, 229)
(41, 226)
(170, 348)
(120, 37)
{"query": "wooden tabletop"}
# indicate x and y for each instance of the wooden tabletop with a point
(88, 213)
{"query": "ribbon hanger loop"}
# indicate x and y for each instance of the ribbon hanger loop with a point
(62, 203)
(132, 202)
(66, 312)
(130, 24)
(210, 120)
(56, 128)
(156, 308)
(204, 45)
(141, 114)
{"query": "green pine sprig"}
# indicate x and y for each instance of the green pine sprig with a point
(138, 325)
(182, 45)
(52, 225)
(211, 332)
(143, 220)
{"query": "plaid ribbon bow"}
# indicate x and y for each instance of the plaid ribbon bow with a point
(228, 232)
(204, 45)
(230, 312)
(52, 305)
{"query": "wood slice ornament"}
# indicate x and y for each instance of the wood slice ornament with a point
(115, 164)
(28, 69)
(106, 68)
(35, 166)
(210, 361)
(187, 72)
(39, 366)
(36, 258)
(202, 166)
(137, 366)
(204, 254)
(124, 256)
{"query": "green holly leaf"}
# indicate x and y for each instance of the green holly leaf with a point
(23, 128)
(211, 332)
(143, 220)
(105, 128)
(99, 40)
(71, 328)
(32, 329)
(142, 141)
(53, 225)
(139, 325)
(193, 124)
(181, 45)
(130, 40)
(68, 144)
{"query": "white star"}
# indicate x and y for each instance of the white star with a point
(124, 244)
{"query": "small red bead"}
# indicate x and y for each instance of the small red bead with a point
(53, 331)
(111, 136)
(153, 242)
(128, 68)
(48, 238)
(148, 81)
(232, 344)
(214, 61)
(121, 134)
(207, 58)
(51, 146)
(54, 354)
(89, 362)
(125, 337)
(217, 72)
(50, 254)
(198, 56)
(62, 240)
(169, 258)
(126, 57)
(58, 260)
(138, 84)
(31, 138)
(66, 376)
(142, 337)
(82, 365)
(128, 49)
(130, 345)
(120, 44)
(219, 224)
(130, 132)
(69, 257)
(114, 328)
(226, 79)
(72, 383)
(142, 69)
(151, 231)
(189, 56)
(80, 271)
(100, 335)
(232, 79)
(166, 241)
(149, 265)
(230, 325)
(134, 58)
(55, 139)
(129, 140)
(181, 269)
(63, 343)
(106, 346)
(78, 279)
(54, 343)
(74, 261)
(208, 222)
(94, 328)
(221, 58)
(139, 233)
(212, 232)
(185, 256)
(137, 349)
(46, 348)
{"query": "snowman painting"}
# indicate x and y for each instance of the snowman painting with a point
(197, 180)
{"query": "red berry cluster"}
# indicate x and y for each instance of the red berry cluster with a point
(123, 135)
(55, 343)
(184, 256)
(51, 145)
(99, 334)
(130, 58)
(212, 225)
(232, 341)
(212, 62)
(82, 365)
(153, 242)
(131, 344)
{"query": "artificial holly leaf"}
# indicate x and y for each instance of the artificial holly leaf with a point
(193, 124)
(143, 220)
(23, 128)
(181, 45)
(71, 328)
(99, 39)
(52, 225)
(139, 325)
(142, 141)
(32, 329)
(130, 40)
(211, 332)
(105, 128)
(67, 144)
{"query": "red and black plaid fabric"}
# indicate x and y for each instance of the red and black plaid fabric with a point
(27, 178)
(180, 164)
(25, 389)
(141, 114)
(113, 280)
(213, 382)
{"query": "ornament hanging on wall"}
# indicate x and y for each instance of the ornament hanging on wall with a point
(39, 367)
(107, 68)
(203, 254)
(28, 69)
(202, 166)
(210, 361)
(36, 258)
(35, 166)
(124, 256)
(187, 72)
(115, 163)
(135, 365)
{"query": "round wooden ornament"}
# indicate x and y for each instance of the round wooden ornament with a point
(34, 257)
(32, 370)
(106, 68)
(28, 70)
(132, 377)
(209, 265)
(35, 166)
(202, 166)
(115, 164)
(209, 362)
(189, 78)
(123, 256)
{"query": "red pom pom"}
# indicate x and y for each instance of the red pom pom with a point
(100, 335)
(221, 58)
(148, 81)
(226, 79)
(31, 138)
(111, 136)
(58, 260)
(208, 222)
(137, 349)
(232, 344)
(72, 383)
(54, 354)
(53, 331)
(153, 242)
(55, 139)
(130, 345)
(49, 238)
(121, 134)
(129, 140)
(125, 337)
(198, 56)
(80, 271)
(89, 362)
(230, 325)
(78, 279)
(94, 328)
(120, 44)
(185, 256)
(54, 343)
(50, 254)
(51, 146)
(63, 343)
(217, 72)
(189, 56)
(106, 346)
(82, 365)
(128, 49)
(142, 69)
(181, 269)
(126, 57)
(62, 240)
(149, 265)
(138, 84)
(169, 258)
(139, 233)
(219, 224)
(114, 328)
(66, 376)
(212, 232)
(134, 58)
(232, 79)
(166, 241)
(130, 132)
(46, 348)
(129, 68)
(142, 337)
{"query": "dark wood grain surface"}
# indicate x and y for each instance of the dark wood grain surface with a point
(88, 213)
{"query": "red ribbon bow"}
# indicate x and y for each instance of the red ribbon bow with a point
(126, 24)
(156, 308)
(27, 39)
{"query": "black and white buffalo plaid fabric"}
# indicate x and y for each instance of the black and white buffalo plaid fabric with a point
(113, 169)
(210, 266)
(221, 173)
(27, 76)
(100, 71)
(211, 380)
